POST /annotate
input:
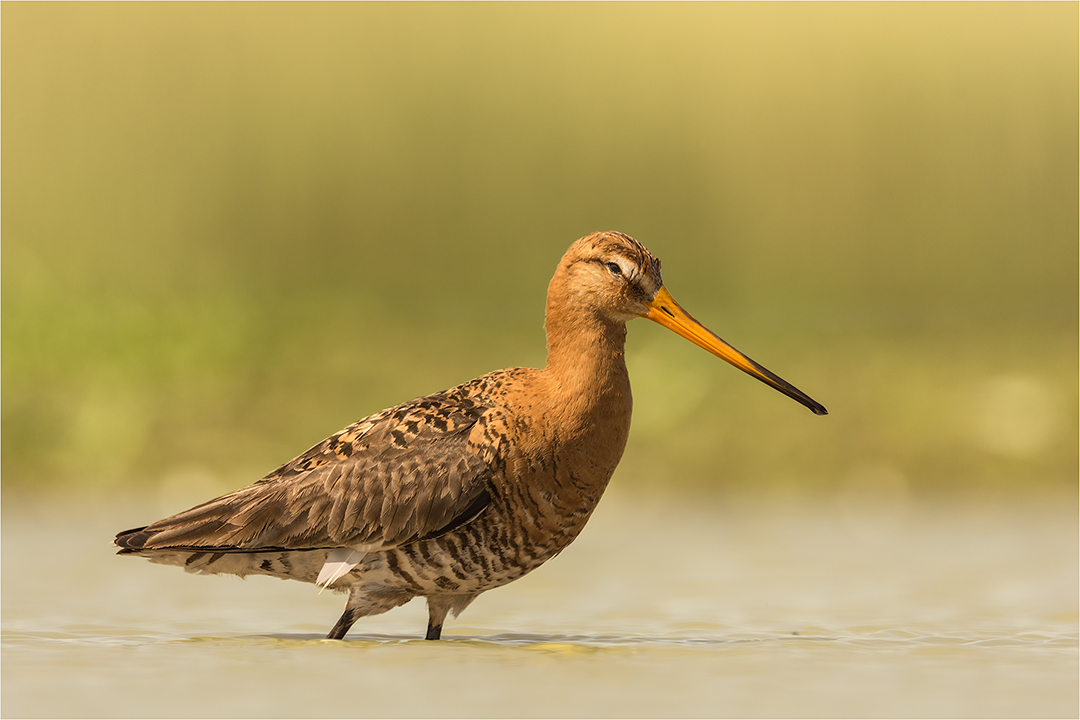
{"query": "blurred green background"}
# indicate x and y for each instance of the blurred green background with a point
(231, 229)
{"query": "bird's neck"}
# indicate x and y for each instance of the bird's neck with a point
(587, 381)
(584, 350)
(584, 405)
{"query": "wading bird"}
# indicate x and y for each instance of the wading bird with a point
(459, 492)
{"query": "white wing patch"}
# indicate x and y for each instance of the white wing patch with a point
(338, 562)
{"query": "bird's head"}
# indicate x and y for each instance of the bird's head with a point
(615, 276)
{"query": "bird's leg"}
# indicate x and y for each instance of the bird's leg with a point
(437, 609)
(343, 624)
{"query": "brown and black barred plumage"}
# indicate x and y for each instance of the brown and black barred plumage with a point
(459, 492)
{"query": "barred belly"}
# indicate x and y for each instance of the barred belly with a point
(499, 547)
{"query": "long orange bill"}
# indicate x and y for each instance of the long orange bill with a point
(664, 310)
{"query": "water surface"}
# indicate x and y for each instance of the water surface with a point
(720, 608)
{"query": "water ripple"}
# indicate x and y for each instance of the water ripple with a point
(877, 639)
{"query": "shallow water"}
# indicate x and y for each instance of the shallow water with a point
(661, 608)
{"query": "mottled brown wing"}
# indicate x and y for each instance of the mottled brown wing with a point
(406, 473)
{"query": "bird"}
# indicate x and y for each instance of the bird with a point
(462, 491)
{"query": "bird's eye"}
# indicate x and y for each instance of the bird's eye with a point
(615, 269)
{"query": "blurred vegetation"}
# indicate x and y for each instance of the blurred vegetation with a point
(231, 229)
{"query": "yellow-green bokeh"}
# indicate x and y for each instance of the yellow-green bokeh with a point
(231, 229)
